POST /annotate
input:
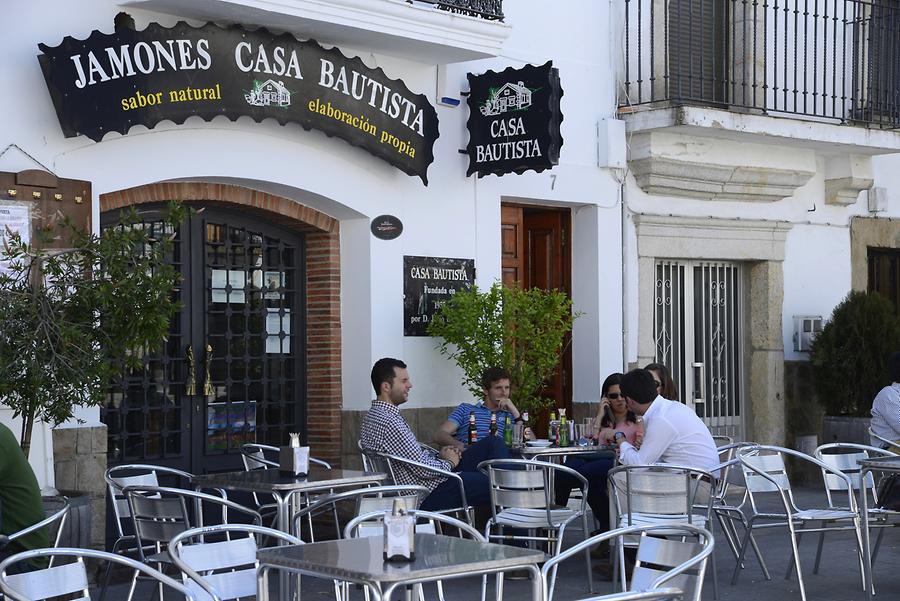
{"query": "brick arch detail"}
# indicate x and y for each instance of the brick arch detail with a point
(323, 288)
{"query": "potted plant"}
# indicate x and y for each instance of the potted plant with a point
(849, 358)
(520, 330)
(75, 319)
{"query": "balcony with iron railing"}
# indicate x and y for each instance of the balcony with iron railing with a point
(430, 31)
(816, 75)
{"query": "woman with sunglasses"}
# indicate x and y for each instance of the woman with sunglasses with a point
(665, 385)
(614, 415)
(594, 467)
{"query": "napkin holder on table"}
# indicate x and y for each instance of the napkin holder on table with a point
(294, 461)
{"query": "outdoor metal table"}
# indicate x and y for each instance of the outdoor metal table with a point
(359, 561)
(879, 464)
(284, 487)
(552, 452)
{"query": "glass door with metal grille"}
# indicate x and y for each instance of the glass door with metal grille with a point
(697, 327)
(232, 369)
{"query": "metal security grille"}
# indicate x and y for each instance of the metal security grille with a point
(698, 334)
(232, 370)
(144, 411)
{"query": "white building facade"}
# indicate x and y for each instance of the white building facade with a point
(697, 207)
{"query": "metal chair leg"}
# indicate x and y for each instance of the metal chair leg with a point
(819, 552)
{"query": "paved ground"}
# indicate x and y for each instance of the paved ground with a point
(838, 577)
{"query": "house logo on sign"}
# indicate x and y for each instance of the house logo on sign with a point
(509, 97)
(268, 93)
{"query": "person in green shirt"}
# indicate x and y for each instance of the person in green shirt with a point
(20, 497)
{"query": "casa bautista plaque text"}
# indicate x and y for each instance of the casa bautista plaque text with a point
(111, 82)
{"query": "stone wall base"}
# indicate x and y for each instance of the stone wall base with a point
(79, 461)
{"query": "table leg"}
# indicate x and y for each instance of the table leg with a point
(867, 554)
(262, 583)
(537, 588)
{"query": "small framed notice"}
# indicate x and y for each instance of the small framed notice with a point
(428, 282)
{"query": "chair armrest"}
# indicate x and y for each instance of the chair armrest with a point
(57, 515)
(436, 470)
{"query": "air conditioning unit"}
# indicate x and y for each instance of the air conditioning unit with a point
(806, 327)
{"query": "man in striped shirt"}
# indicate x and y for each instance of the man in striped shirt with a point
(495, 385)
(384, 430)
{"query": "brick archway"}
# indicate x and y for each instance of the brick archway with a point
(323, 310)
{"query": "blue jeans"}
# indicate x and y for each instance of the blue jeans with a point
(446, 495)
(595, 472)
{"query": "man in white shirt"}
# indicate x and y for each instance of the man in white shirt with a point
(672, 431)
(886, 406)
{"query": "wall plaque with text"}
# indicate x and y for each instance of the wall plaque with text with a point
(514, 120)
(428, 282)
(112, 82)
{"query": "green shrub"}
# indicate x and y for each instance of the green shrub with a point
(849, 356)
(520, 330)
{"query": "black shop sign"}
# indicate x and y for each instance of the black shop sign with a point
(428, 282)
(112, 82)
(514, 119)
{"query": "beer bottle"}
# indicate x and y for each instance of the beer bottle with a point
(563, 429)
(493, 428)
(507, 432)
(553, 428)
(473, 429)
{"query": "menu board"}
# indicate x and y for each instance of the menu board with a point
(14, 219)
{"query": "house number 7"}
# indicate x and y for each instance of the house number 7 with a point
(552, 181)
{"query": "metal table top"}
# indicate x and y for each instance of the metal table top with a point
(361, 559)
(527, 451)
(273, 480)
(881, 463)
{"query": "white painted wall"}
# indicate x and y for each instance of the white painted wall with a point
(454, 216)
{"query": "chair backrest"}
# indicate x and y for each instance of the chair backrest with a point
(436, 521)
(656, 556)
(135, 474)
(224, 567)
(69, 579)
(159, 513)
(660, 490)
(56, 522)
(845, 456)
(875, 438)
(525, 484)
(366, 500)
(722, 440)
(683, 561)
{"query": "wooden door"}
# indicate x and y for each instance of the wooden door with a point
(535, 253)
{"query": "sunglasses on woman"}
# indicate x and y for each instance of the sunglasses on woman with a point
(614, 395)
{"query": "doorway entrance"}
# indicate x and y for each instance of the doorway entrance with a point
(698, 334)
(535, 254)
(233, 368)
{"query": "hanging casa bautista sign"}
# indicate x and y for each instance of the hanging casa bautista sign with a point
(111, 82)
(514, 119)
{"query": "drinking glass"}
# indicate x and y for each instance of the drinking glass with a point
(518, 434)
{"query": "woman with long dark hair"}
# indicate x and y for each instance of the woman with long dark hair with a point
(614, 416)
(665, 385)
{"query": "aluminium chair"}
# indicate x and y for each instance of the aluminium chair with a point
(391, 464)
(261, 456)
(669, 554)
(56, 521)
(765, 474)
(70, 580)
(159, 513)
(845, 457)
(886, 442)
(522, 498)
(660, 494)
(219, 562)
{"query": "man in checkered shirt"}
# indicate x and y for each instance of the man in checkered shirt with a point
(384, 430)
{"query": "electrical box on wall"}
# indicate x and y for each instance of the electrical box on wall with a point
(806, 328)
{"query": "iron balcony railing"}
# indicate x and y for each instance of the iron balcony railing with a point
(491, 10)
(822, 59)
